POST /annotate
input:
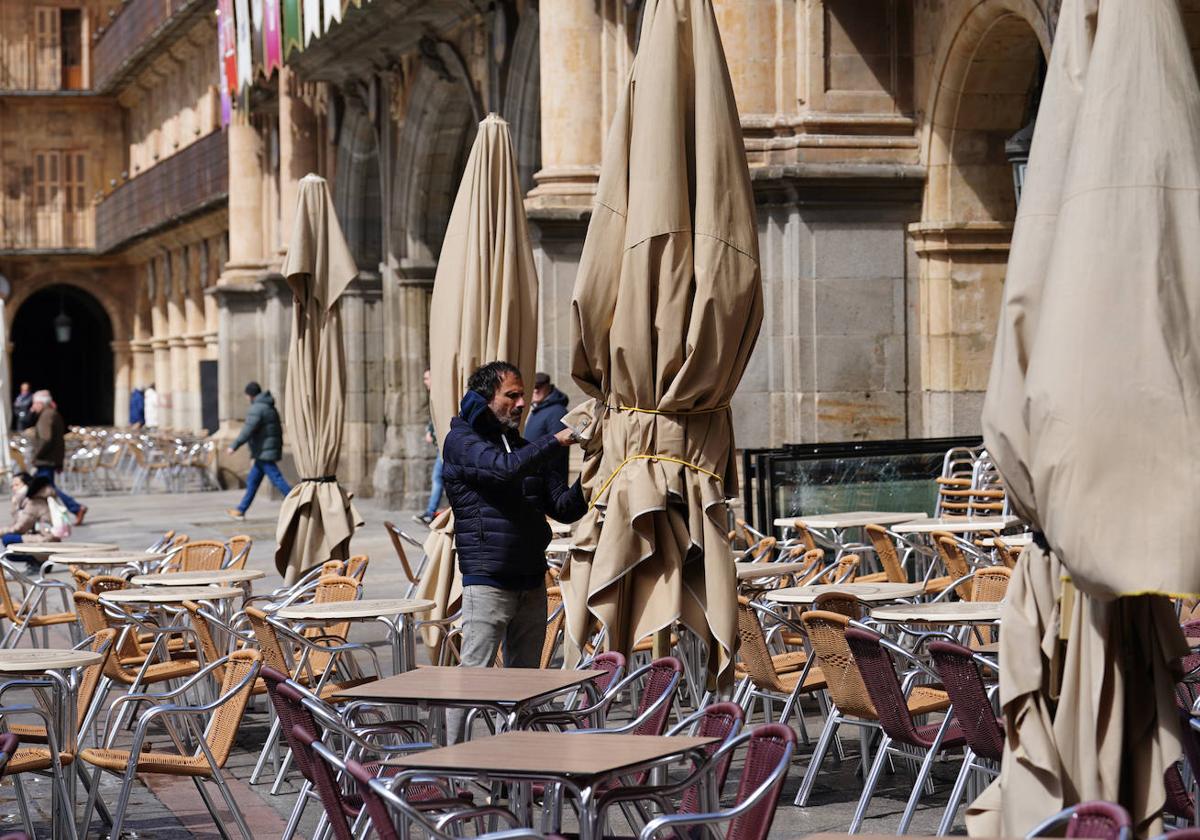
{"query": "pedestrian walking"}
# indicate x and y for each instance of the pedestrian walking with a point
(137, 408)
(546, 411)
(502, 487)
(150, 406)
(435, 480)
(263, 431)
(50, 448)
(22, 409)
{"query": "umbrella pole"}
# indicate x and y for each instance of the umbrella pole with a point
(662, 644)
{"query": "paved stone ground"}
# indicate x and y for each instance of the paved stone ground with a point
(171, 808)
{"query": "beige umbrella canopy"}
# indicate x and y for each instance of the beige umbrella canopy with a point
(485, 308)
(667, 308)
(317, 519)
(1091, 417)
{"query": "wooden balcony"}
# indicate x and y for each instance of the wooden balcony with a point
(189, 182)
(135, 33)
(49, 228)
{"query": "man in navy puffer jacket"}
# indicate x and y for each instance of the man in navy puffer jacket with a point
(502, 487)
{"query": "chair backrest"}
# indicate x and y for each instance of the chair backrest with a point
(768, 754)
(323, 779)
(203, 631)
(6, 599)
(954, 496)
(99, 584)
(960, 675)
(334, 589)
(842, 603)
(762, 551)
(223, 726)
(804, 535)
(879, 675)
(991, 584)
(268, 640)
(239, 550)
(81, 577)
(612, 663)
(555, 616)
(753, 650)
(1099, 820)
(659, 687)
(954, 560)
(201, 556)
(376, 808)
(827, 633)
(885, 550)
(89, 680)
(720, 721)
(178, 541)
(356, 567)
(845, 571)
(290, 710)
(398, 544)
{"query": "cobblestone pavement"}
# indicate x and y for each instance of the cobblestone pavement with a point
(171, 808)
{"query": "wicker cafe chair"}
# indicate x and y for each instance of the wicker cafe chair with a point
(239, 551)
(959, 669)
(398, 539)
(213, 744)
(30, 612)
(43, 760)
(852, 703)
(769, 750)
(766, 677)
(955, 561)
(842, 603)
(845, 570)
(199, 556)
(873, 655)
(991, 583)
(885, 550)
(1102, 820)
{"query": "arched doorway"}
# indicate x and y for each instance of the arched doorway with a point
(79, 372)
(985, 78)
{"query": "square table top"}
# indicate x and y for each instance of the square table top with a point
(554, 754)
(871, 593)
(456, 684)
(851, 519)
(957, 524)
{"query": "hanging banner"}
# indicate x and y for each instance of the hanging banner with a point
(256, 37)
(227, 46)
(312, 20)
(245, 64)
(333, 12)
(272, 44)
(292, 37)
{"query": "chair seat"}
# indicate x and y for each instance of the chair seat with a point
(32, 759)
(784, 663)
(159, 671)
(49, 619)
(171, 764)
(924, 699)
(954, 735)
(814, 681)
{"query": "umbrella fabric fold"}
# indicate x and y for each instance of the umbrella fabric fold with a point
(484, 309)
(1090, 410)
(667, 309)
(317, 518)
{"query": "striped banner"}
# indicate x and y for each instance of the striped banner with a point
(272, 41)
(227, 46)
(333, 12)
(292, 37)
(312, 20)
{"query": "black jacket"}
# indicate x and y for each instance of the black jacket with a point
(546, 419)
(262, 430)
(501, 497)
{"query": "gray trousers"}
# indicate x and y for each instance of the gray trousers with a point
(491, 618)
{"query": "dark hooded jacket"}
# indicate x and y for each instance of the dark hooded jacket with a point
(501, 496)
(546, 419)
(262, 430)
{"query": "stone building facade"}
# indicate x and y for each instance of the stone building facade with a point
(875, 131)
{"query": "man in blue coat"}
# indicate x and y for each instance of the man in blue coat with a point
(548, 409)
(502, 487)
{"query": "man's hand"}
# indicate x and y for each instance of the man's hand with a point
(566, 437)
(229, 450)
(429, 438)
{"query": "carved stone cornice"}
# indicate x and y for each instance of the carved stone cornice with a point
(949, 238)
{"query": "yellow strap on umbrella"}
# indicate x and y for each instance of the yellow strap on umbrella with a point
(604, 487)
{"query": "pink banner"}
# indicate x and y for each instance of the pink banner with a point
(272, 40)
(227, 55)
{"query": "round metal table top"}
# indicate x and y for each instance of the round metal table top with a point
(868, 592)
(215, 576)
(114, 558)
(753, 571)
(944, 612)
(367, 608)
(25, 660)
(51, 548)
(957, 525)
(1012, 541)
(170, 594)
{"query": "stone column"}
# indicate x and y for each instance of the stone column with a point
(245, 196)
(748, 33)
(159, 332)
(193, 312)
(297, 148)
(572, 33)
(177, 340)
(123, 367)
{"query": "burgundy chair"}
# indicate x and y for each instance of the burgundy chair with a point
(768, 756)
(1099, 820)
(873, 655)
(958, 667)
(659, 681)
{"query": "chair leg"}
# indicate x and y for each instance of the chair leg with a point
(922, 775)
(93, 799)
(23, 804)
(814, 764)
(122, 800)
(282, 772)
(956, 793)
(293, 822)
(864, 801)
(268, 746)
(212, 809)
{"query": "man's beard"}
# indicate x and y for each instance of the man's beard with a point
(510, 421)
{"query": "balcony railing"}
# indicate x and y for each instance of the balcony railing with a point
(26, 226)
(186, 183)
(133, 35)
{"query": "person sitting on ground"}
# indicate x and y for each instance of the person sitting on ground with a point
(31, 520)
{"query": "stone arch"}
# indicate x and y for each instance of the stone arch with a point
(983, 75)
(31, 285)
(431, 151)
(357, 189)
(522, 97)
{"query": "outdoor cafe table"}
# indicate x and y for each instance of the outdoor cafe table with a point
(397, 614)
(511, 692)
(55, 663)
(1012, 540)
(112, 559)
(224, 577)
(870, 593)
(580, 762)
(43, 552)
(943, 612)
(957, 525)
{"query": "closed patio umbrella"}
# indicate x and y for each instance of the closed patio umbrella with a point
(1091, 417)
(667, 308)
(484, 309)
(317, 518)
